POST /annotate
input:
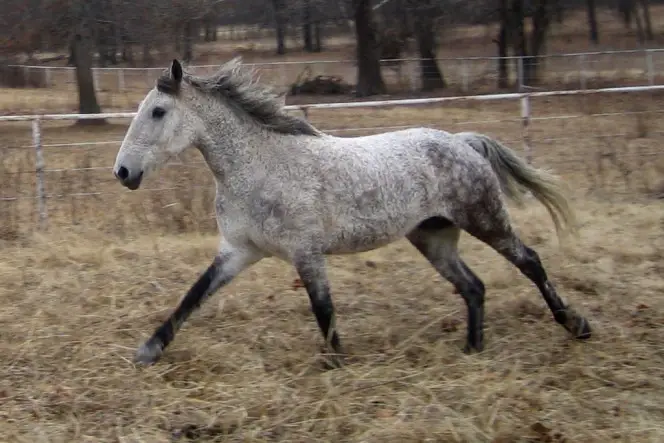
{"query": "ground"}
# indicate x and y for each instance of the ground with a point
(80, 296)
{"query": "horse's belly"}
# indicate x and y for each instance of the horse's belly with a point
(361, 237)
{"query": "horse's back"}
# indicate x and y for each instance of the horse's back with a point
(417, 148)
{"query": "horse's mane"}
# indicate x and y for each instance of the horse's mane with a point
(238, 87)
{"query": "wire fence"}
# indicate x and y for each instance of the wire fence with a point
(122, 87)
(66, 177)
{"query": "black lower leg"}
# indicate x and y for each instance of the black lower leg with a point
(472, 290)
(437, 241)
(531, 266)
(312, 273)
(165, 333)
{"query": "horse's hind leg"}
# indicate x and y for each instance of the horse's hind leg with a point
(311, 268)
(500, 236)
(437, 239)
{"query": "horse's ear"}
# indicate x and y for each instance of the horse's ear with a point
(237, 60)
(176, 71)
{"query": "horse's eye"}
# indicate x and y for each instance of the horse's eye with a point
(158, 112)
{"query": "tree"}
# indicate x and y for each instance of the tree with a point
(528, 47)
(630, 10)
(87, 98)
(592, 21)
(280, 25)
(369, 78)
(645, 6)
(502, 42)
(425, 13)
(75, 22)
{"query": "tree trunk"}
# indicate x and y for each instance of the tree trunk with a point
(147, 56)
(188, 35)
(369, 78)
(503, 78)
(71, 60)
(432, 77)
(519, 38)
(318, 46)
(306, 27)
(177, 42)
(626, 7)
(280, 25)
(87, 97)
(541, 20)
(558, 11)
(640, 33)
(210, 31)
(592, 21)
(424, 13)
(646, 19)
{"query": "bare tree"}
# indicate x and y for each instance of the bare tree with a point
(645, 7)
(592, 21)
(502, 42)
(280, 24)
(425, 14)
(369, 78)
(87, 98)
(529, 46)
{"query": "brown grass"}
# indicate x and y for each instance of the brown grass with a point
(79, 298)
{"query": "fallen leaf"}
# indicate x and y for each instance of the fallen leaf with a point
(297, 284)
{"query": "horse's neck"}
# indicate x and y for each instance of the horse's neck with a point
(230, 149)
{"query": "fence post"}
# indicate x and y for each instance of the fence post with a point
(464, 75)
(39, 169)
(650, 67)
(121, 80)
(305, 112)
(519, 72)
(48, 77)
(95, 78)
(582, 71)
(283, 76)
(525, 119)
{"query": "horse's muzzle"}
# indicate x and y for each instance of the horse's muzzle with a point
(127, 179)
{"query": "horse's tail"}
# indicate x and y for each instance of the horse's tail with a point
(517, 177)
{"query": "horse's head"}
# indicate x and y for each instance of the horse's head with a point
(163, 127)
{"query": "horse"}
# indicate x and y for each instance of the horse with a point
(288, 190)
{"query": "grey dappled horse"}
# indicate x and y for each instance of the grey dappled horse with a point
(285, 189)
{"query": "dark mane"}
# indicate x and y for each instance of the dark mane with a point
(237, 85)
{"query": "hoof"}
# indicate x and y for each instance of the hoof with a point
(470, 349)
(333, 362)
(149, 352)
(332, 359)
(583, 331)
(577, 325)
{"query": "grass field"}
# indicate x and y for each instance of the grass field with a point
(79, 298)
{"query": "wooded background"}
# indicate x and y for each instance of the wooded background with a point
(142, 33)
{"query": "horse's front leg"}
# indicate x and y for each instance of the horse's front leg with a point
(311, 269)
(228, 263)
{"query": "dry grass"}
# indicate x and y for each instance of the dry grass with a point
(79, 298)
(245, 367)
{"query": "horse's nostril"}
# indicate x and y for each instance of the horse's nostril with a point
(123, 173)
